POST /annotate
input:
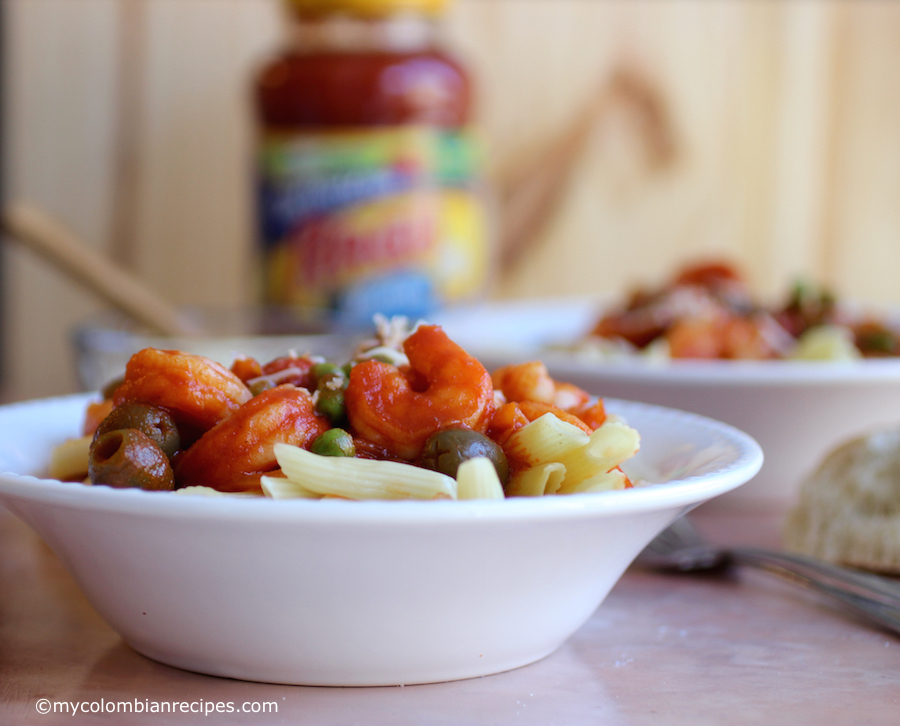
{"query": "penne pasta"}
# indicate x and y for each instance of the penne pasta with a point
(279, 487)
(544, 440)
(477, 479)
(604, 482)
(201, 491)
(536, 481)
(69, 460)
(609, 446)
(354, 478)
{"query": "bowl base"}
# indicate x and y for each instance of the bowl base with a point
(364, 677)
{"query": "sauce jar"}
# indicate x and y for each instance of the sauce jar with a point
(369, 169)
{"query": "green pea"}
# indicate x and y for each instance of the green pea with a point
(323, 372)
(347, 367)
(261, 386)
(330, 403)
(334, 442)
(128, 458)
(383, 358)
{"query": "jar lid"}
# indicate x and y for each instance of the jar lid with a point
(366, 8)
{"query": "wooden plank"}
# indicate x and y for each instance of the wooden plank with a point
(628, 219)
(804, 138)
(195, 225)
(863, 248)
(58, 120)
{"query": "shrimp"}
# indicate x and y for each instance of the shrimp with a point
(510, 417)
(246, 368)
(232, 455)
(530, 384)
(197, 391)
(570, 397)
(535, 409)
(399, 408)
(293, 369)
(525, 382)
(95, 413)
(507, 419)
(593, 414)
(723, 336)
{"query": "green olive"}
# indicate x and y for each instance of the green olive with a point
(129, 458)
(330, 403)
(334, 442)
(153, 421)
(445, 450)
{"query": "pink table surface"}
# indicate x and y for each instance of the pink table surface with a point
(662, 649)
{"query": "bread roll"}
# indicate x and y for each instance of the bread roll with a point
(849, 508)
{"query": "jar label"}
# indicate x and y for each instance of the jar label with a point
(388, 220)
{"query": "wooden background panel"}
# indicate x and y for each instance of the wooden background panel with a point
(59, 123)
(194, 226)
(763, 129)
(794, 244)
(534, 62)
(726, 75)
(864, 230)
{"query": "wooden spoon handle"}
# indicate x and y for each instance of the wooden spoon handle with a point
(55, 243)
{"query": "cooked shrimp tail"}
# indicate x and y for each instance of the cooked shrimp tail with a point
(399, 408)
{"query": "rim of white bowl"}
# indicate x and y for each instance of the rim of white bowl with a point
(691, 490)
(721, 373)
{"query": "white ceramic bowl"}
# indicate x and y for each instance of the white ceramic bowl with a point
(357, 593)
(797, 411)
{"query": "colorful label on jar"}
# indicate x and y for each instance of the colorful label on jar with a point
(388, 220)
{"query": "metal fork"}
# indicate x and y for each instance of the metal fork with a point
(681, 548)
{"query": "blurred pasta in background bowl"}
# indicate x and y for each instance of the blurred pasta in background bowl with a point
(707, 312)
(800, 376)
